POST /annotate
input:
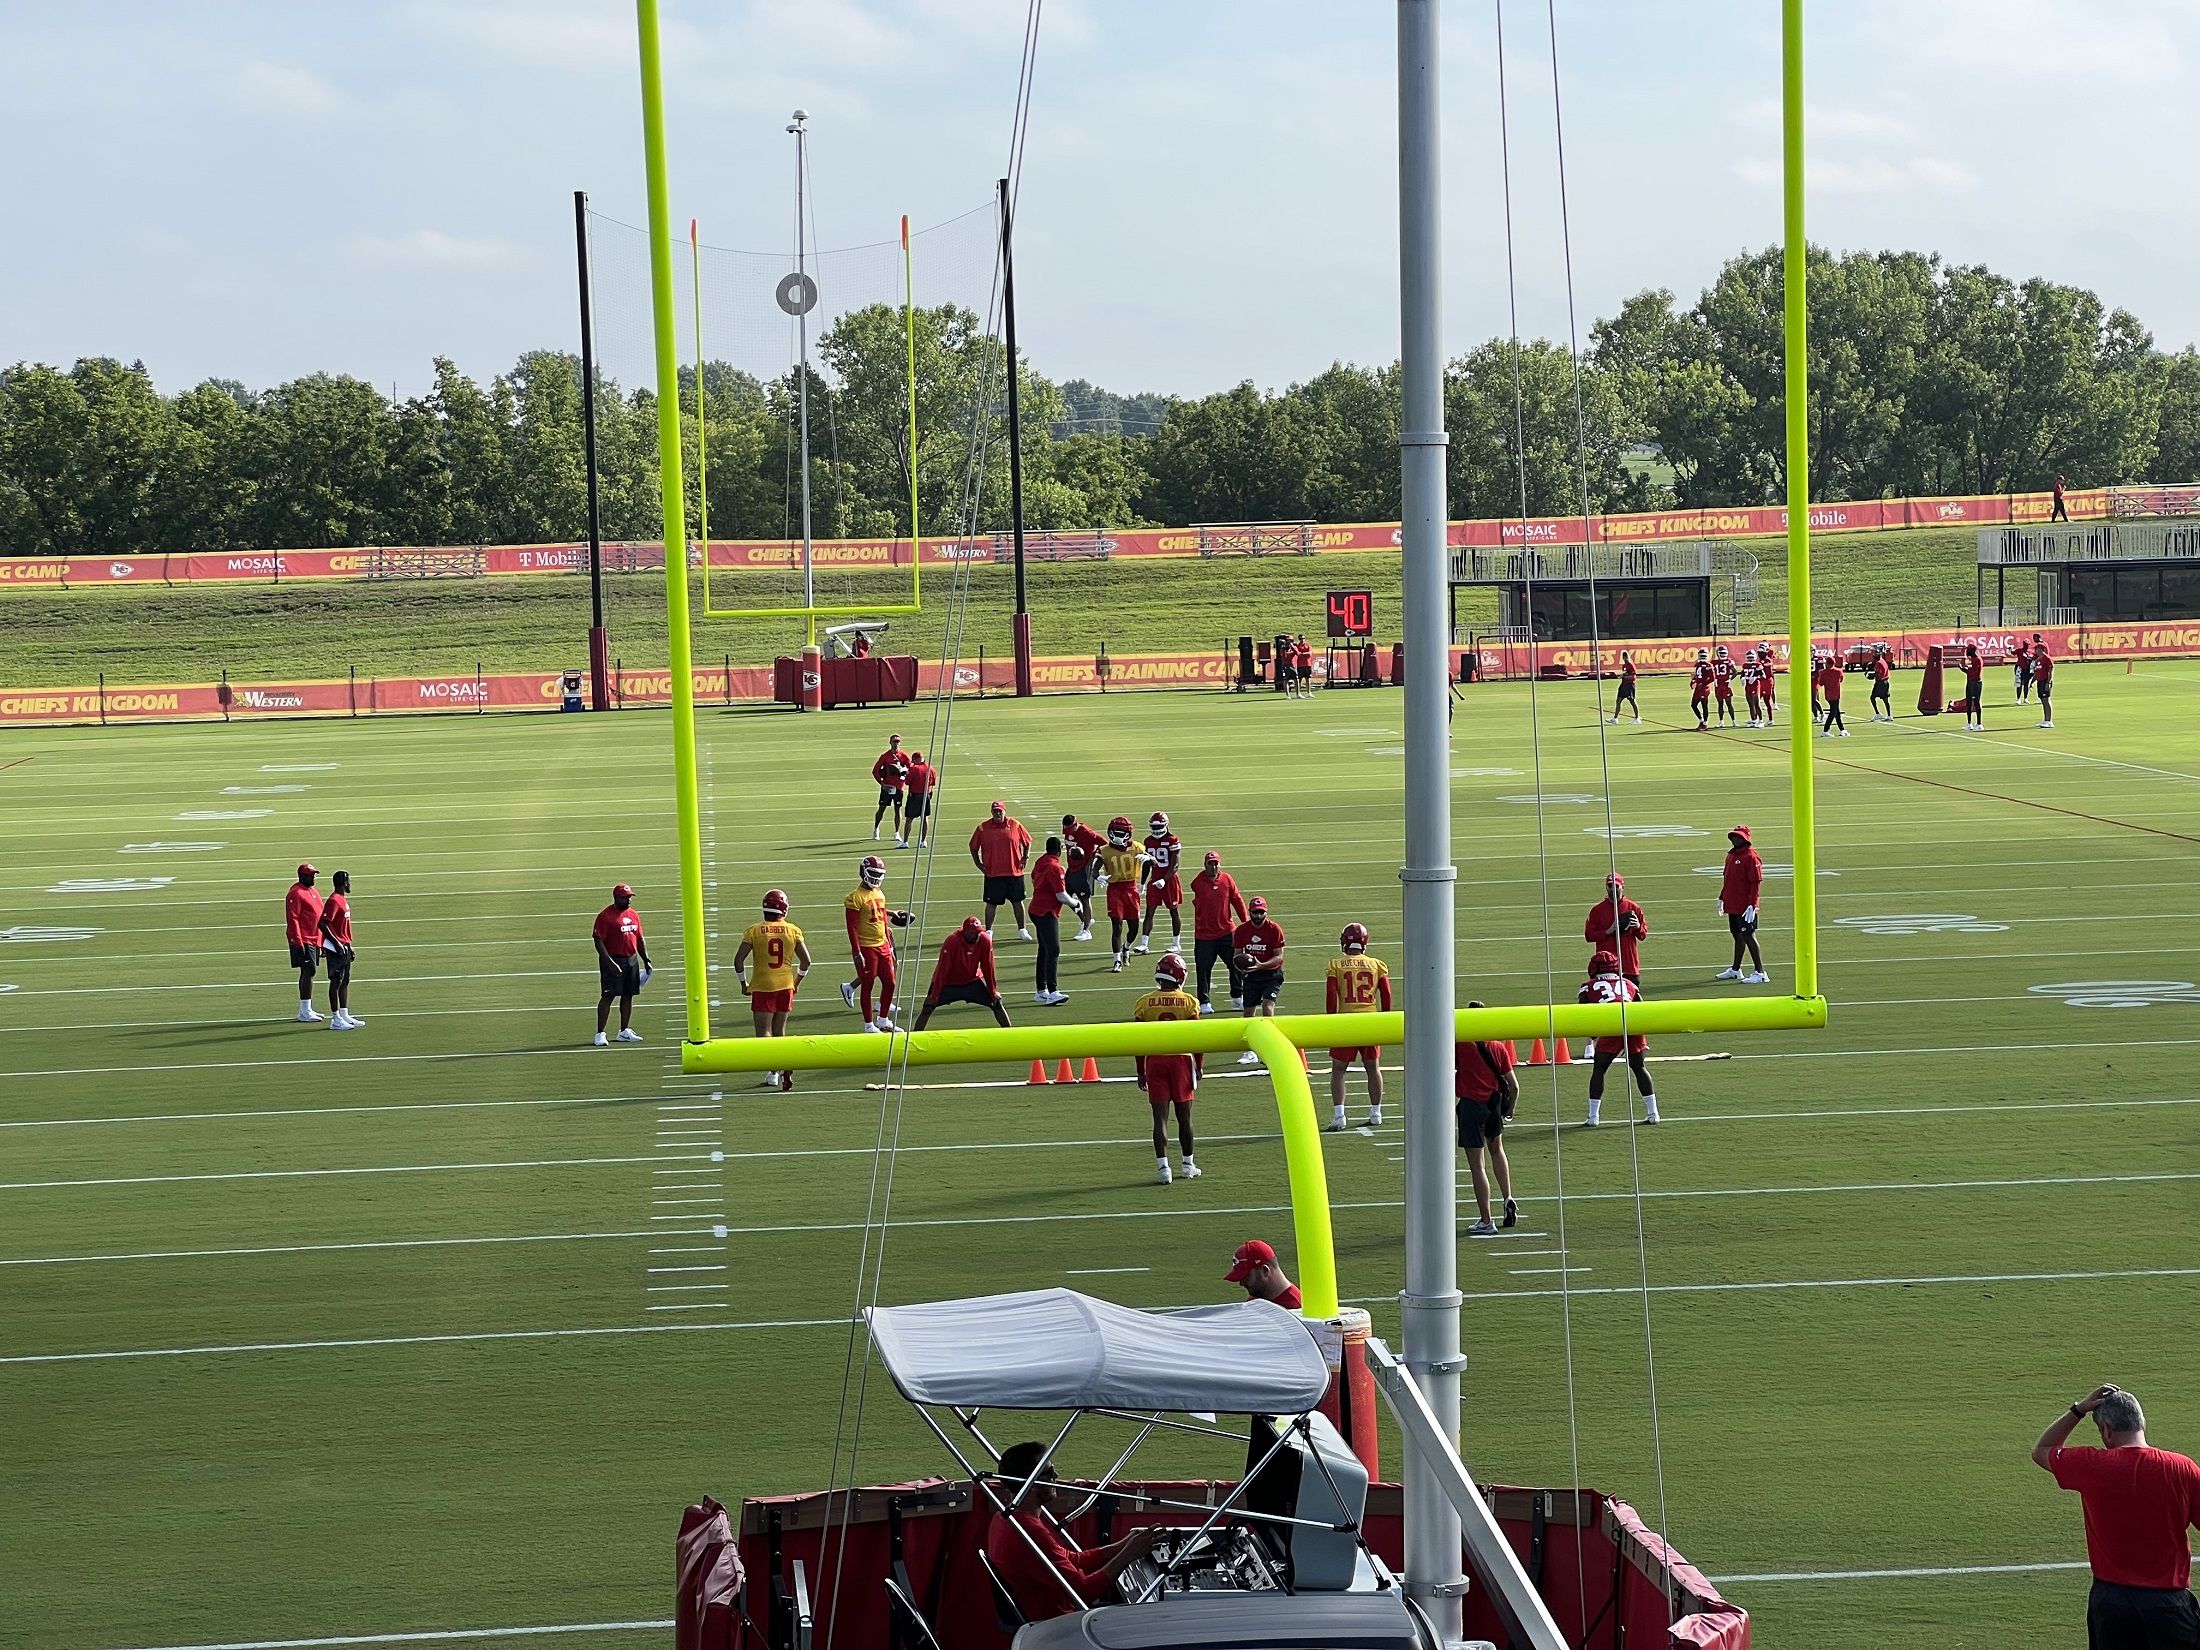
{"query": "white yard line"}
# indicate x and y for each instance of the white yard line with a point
(1900, 1575)
(310, 1174)
(1827, 1283)
(442, 1637)
(412, 1340)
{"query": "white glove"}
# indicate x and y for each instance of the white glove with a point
(1750, 915)
(1719, 905)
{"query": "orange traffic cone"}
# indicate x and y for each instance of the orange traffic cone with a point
(1091, 1072)
(1038, 1074)
(1515, 1047)
(1063, 1074)
(1564, 1057)
(1536, 1056)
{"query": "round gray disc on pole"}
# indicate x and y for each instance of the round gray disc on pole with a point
(797, 293)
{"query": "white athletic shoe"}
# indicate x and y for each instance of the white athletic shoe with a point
(1613, 720)
(1140, 947)
(306, 1016)
(874, 833)
(352, 1022)
(1119, 960)
(1176, 946)
(1592, 1120)
(1082, 934)
(1336, 1120)
(2047, 724)
(1045, 999)
(771, 1079)
(1758, 978)
(885, 1022)
(1638, 721)
(1374, 1118)
(848, 992)
(1206, 1009)
(1248, 1058)
(602, 1041)
(1237, 1002)
(1023, 933)
(1485, 1227)
(868, 1026)
(901, 842)
(628, 1034)
(1191, 1169)
(1649, 1108)
(1845, 732)
(1161, 1171)
(339, 1023)
(1728, 974)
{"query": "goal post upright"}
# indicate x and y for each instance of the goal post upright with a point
(672, 490)
(1802, 790)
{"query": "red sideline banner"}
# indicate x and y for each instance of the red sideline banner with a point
(504, 560)
(752, 684)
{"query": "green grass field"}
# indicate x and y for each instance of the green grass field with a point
(274, 632)
(396, 1334)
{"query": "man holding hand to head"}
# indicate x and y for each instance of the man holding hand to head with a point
(2139, 1501)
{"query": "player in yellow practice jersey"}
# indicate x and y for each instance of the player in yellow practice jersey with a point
(1358, 984)
(1125, 867)
(871, 922)
(781, 961)
(1169, 1079)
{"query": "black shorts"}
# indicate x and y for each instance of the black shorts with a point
(889, 796)
(1480, 1121)
(918, 805)
(1626, 691)
(2046, 689)
(307, 957)
(1078, 883)
(339, 966)
(973, 992)
(2142, 1617)
(1264, 987)
(1000, 890)
(1738, 925)
(620, 976)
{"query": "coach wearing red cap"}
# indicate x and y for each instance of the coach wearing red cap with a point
(302, 926)
(999, 847)
(622, 963)
(1256, 1268)
(1616, 923)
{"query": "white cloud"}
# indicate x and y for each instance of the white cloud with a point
(287, 91)
(433, 249)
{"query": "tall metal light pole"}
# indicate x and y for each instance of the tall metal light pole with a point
(1430, 1304)
(800, 127)
(599, 644)
(1022, 621)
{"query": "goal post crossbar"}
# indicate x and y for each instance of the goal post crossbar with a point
(1278, 1042)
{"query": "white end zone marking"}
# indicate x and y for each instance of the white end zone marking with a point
(1616, 833)
(1776, 870)
(225, 813)
(28, 934)
(1929, 922)
(298, 767)
(1557, 799)
(109, 885)
(2120, 993)
(1891, 1575)
(263, 790)
(444, 1636)
(171, 847)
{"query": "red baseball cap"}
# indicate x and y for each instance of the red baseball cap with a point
(1249, 1255)
(999, 806)
(305, 868)
(622, 888)
(1615, 880)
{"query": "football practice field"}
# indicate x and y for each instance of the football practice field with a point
(435, 1326)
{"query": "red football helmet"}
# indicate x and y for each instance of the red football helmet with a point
(1603, 963)
(1119, 831)
(872, 871)
(1169, 971)
(1354, 937)
(775, 902)
(1159, 822)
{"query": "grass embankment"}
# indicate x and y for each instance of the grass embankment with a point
(62, 638)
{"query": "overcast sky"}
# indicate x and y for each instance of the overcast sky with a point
(258, 190)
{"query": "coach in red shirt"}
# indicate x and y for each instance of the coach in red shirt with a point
(1741, 881)
(302, 928)
(1016, 1538)
(965, 974)
(999, 848)
(1485, 1090)
(1255, 1269)
(1616, 923)
(1217, 909)
(2139, 1501)
(622, 963)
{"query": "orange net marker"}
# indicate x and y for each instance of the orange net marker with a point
(1038, 1074)
(1565, 1058)
(1064, 1074)
(1536, 1056)
(1091, 1072)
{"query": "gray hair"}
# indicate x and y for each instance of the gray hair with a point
(2120, 1412)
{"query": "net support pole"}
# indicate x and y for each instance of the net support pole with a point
(909, 337)
(673, 493)
(1430, 1304)
(599, 640)
(1802, 801)
(1015, 443)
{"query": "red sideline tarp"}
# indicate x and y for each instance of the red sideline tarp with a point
(1737, 521)
(639, 689)
(1604, 1576)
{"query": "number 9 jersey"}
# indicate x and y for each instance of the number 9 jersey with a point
(771, 946)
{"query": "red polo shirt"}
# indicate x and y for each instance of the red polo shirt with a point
(2138, 1502)
(620, 931)
(1001, 846)
(1035, 1591)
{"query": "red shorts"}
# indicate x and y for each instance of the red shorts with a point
(1123, 900)
(1726, 693)
(1350, 1055)
(771, 1002)
(1608, 1047)
(875, 965)
(1170, 1078)
(1169, 893)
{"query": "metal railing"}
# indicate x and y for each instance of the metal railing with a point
(1255, 538)
(1482, 564)
(2181, 498)
(2164, 538)
(1091, 545)
(396, 561)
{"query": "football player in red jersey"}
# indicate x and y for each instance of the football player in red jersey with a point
(1751, 679)
(891, 770)
(1080, 843)
(965, 974)
(2043, 681)
(1606, 984)
(1164, 884)
(1626, 694)
(1882, 684)
(1768, 684)
(1722, 684)
(1170, 1079)
(871, 924)
(1699, 690)
(1356, 984)
(1257, 945)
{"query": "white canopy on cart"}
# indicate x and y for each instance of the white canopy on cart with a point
(1057, 1349)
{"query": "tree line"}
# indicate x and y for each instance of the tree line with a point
(1925, 378)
